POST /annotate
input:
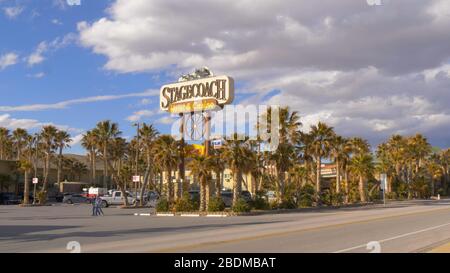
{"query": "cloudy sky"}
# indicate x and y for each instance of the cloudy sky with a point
(368, 70)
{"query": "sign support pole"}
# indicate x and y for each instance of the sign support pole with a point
(181, 169)
(34, 193)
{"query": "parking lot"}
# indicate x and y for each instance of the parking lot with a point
(403, 226)
(41, 229)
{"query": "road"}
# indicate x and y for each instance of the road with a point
(413, 226)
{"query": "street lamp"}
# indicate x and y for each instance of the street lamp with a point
(137, 160)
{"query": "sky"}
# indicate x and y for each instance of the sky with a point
(367, 70)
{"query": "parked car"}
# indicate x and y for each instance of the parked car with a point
(227, 197)
(75, 198)
(9, 198)
(116, 198)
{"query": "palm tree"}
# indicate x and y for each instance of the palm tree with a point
(420, 149)
(396, 146)
(385, 164)
(289, 123)
(445, 163)
(48, 135)
(147, 134)
(434, 171)
(26, 166)
(218, 167)
(236, 153)
(62, 140)
(19, 137)
(105, 132)
(90, 143)
(5, 139)
(166, 153)
(200, 168)
(322, 137)
(339, 152)
(283, 159)
(362, 166)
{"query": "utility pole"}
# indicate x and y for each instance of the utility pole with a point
(137, 162)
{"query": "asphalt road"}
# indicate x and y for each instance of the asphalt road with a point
(416, 226)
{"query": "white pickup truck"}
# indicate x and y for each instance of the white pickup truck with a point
(116, 198)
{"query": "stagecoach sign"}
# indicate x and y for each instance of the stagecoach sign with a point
(197, 95)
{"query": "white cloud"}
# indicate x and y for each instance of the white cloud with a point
(13, 12)
(8, 60)
(166, 120)
(37, 75)
(67, 103)
(145, 101)
(138, 115)
(365, 70)
(56, 22)
(76, 139)
(13, 123)
(38, 55)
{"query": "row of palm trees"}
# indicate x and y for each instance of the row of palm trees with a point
(411, 165)
(295, 164)
(28, 150)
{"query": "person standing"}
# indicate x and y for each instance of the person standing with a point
(98, 205)
(94, 206)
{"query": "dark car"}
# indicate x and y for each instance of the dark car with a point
(227, 197)
(9, 198)
(75, 198)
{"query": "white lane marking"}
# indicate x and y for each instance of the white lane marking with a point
(164, 214)
(190, 215)
(395, 237)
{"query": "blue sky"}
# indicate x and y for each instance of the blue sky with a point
(68, 71)
(368, 71)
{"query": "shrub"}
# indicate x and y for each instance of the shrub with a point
(241, 206)
(260, 203)
(306, 196)
(216, 204)
(42, 197)
(163, 205)
(184, 203)
(287, 204)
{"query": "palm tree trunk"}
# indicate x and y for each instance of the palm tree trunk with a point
(346, 184)
(432, 187)
(144, 185)
(281, 178)
(105, 163)
(218, 184)
(161, 182)
(26, 192)
(338, 176)
(237, 186)
(46, 171)
(58, 175)
(202, 193)
(362, 193)
(169, 186)
(207, 193)
(94, 164)
(318, 172)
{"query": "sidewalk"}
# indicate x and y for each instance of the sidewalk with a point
(445, 248)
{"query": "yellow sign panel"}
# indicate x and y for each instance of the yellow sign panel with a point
(193, 106)
(200, 149)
